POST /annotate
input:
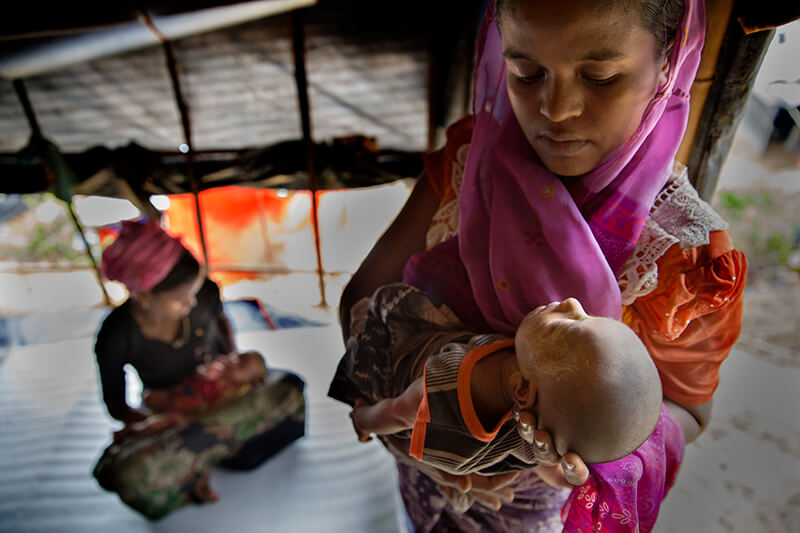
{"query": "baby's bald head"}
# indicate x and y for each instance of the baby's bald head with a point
(598, 390)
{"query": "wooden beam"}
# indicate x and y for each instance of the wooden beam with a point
(38, 140)
(297, 25)
(186, 124)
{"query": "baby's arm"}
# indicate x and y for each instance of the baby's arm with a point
(159, 400)
(152, 424)
(388, 416)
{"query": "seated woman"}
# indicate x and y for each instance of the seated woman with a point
(212, 385)
(173, 324)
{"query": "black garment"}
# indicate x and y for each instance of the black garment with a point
(159, 364)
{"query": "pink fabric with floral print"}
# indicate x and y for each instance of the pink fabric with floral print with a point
(625, 495)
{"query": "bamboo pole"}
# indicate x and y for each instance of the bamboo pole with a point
(186, 124)
(298, 52)
(38, 138)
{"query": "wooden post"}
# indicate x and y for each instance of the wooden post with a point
(183, 110)
(186, 123)
(298, 52)
(38, 138)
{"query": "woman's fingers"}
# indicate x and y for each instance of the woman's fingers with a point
(543, 448)
(461, 490)
(492, 483)
(460, 501)
(575, 470)
(461, 483)
(525, 426)
(492, 502)
(491, 490)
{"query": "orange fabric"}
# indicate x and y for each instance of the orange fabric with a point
(692, 319)
(421, 423)
(688, 323)
(439, 163)
(465, 391)
(240, 224)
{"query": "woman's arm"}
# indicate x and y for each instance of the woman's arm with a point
(151, 425)
(690, 322)
(226, 332)
(693, 419)
(110, 349)
(385, 262)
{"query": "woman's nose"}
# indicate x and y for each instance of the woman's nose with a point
(560, 101)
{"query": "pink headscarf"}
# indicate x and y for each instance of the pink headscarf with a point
(524, 238)
(142, 255)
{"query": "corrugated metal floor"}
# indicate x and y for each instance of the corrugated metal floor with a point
(740, 476)
(53, 428)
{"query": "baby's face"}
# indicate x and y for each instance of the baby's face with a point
(548, 333)
(555, 349)
(244, 369)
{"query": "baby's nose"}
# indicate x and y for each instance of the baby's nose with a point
(571, 305)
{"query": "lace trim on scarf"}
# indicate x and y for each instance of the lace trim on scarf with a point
(679, 215)
(445, 221)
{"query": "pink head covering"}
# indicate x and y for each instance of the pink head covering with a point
(142, 255)
(524, 238)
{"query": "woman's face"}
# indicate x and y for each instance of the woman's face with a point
(178, 302)
(580, 74)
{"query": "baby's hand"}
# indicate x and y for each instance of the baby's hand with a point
(215, 369)
(363, 436)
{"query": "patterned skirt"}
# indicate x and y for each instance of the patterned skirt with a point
(536, 507)
(154, 475)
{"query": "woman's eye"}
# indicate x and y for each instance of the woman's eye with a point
(594, 80)
(530, 79)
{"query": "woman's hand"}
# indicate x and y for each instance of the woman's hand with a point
(553, 468)
(150, 425)
(384, 264)
(460, 491)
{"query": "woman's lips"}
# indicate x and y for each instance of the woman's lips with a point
(562, 146)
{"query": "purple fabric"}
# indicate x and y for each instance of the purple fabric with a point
(535, 507)
(440, 273)
(532, 229)
(526, 240)
(625, 495)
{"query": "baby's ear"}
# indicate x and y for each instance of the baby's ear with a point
(523, 390)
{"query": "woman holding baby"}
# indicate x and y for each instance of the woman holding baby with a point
(563, 183)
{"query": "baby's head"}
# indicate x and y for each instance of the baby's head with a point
(247, 367)
(591, 382)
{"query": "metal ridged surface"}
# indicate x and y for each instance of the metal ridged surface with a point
(53, 428)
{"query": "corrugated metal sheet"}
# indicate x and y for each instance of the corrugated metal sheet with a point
(366, 73)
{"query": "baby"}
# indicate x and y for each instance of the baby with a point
(589, 380)
(220, 381)
(212, 385)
